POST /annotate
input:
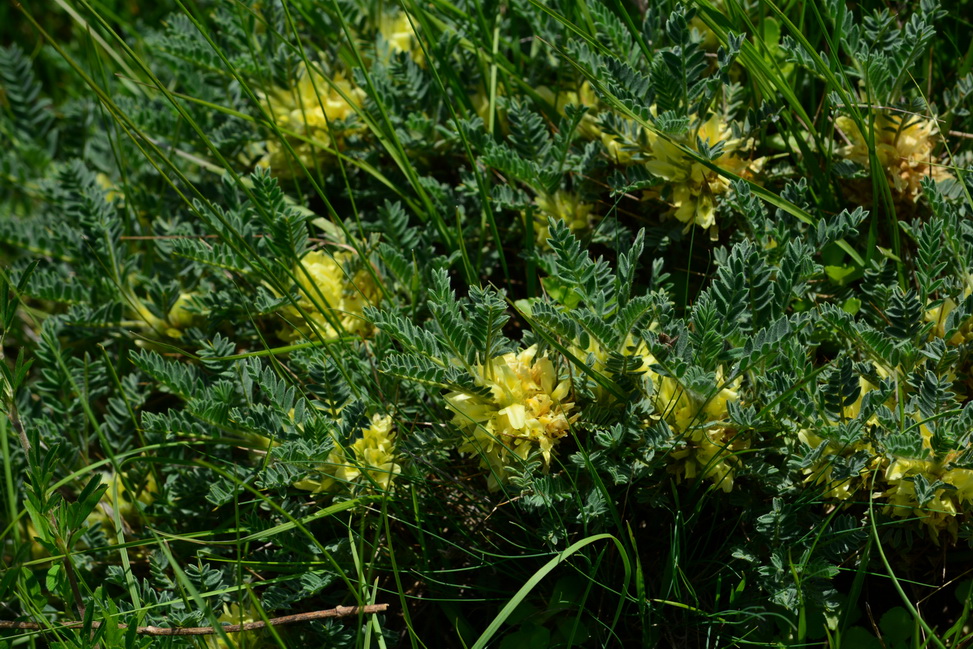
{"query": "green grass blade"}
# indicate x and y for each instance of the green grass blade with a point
(538, 576)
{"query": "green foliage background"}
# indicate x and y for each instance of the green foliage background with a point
(281, 279)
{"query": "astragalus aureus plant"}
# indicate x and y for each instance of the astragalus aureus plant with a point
(369, 460)
(907, 149)
(314, 116)
(365, 323)
(528, 410)
(333, 291)
(705, 440)
(691, 187)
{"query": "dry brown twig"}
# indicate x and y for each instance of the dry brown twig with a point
(338, 611)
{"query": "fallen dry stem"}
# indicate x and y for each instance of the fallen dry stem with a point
(338, 611)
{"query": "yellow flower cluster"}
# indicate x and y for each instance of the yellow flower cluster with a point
(331, 296)
(112, 191)
(398, 33)
(37, 549)
(821, 472)
(118, 498)
(707, 446)
(179, 317)
(307, 112)
(904, 146)
(234, 614)
(584, 96)
(939, 315)
(694, 187)
(369, 461)
(527, 410)
(939, 514)
(708, 38)
(596, 357)
(895, 476)
(618, 149)
(480, 100)
(565, 206)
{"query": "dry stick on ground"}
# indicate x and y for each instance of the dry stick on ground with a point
(339, 611)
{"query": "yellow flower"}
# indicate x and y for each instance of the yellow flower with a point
(821, 472)
(708, 453)
(939, 314)
(693, 186)
(481, 106)
(596, 357)
(939, 514)
(179, 317)
(112, 191)
(619, 147)
(234, 614)
(903, 145)
(707, 446)
(583, 96)
(370, 460)
(332, 297)
(118, 498)
(375, 452)
(852, 410)
(708, 38)
(309, 110)
(37, 549)
(896, 474)
(563, 205)
(315, 102)
(400, 36)
(962, 479)
(527, 410)
(684, 410)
